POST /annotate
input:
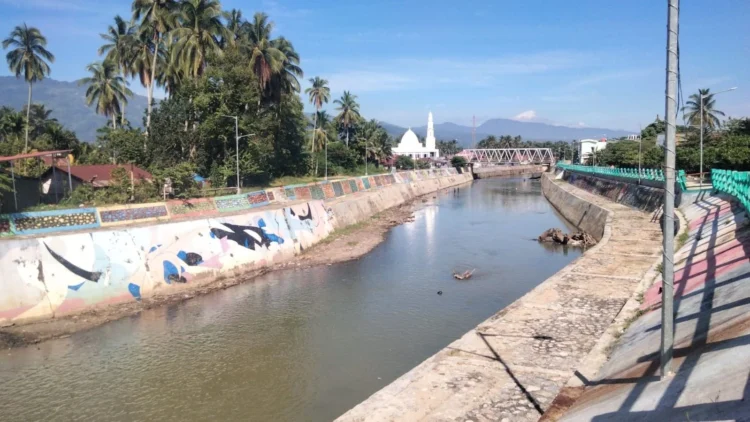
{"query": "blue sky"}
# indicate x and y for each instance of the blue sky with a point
(577, 62)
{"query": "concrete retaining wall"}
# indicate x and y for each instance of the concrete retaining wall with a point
(712, 328)
(642, 197)
(585, 215)
(58, 274)
(500, 171)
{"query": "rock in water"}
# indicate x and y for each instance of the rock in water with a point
(554, 235)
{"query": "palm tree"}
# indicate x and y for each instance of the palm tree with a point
(319, 94)
(266, 59)
(199, 35)
(157, 18)
(120, 48)
(29, 56)
(235, 25)
(692, 110)
(286, 81)
(348, 112)
(320, 133)
(107, 88)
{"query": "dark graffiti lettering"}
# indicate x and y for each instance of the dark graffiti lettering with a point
(80, 272)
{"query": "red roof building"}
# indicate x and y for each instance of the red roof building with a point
(55, 180)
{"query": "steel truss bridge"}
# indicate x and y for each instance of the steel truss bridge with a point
(510, 156)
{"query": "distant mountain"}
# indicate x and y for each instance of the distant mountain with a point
(67, 101)
(531, 131)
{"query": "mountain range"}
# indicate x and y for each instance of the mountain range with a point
(67, 101)
(529, 131)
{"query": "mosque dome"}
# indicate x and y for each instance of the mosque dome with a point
(410, 140)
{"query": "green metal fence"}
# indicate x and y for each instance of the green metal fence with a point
(735, 183)
(655, 175)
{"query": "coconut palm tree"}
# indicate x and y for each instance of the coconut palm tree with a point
(107, 88)
(692, 110)
(266, 60)
(287, 80)
(321, 134)
(120, 48)
(236, 26)
(28, 57)
(157, 18)
(348, 112)
(199, 35)
(319, 94)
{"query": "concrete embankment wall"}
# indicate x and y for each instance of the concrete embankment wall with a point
(642, 197)
(501, 171)
(712, 328)
(587, 216)
(47, 275)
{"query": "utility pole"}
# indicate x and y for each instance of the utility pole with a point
(667, 292)
(640, 149)
(473, 132)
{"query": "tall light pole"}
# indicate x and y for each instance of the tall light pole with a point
(640, 149)
(700, 186)
(237, 146)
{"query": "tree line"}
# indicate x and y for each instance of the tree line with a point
(216, 67)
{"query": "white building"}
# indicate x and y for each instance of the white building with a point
(587, 146)
(411, 147)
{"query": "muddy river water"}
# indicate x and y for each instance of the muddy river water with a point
(300, 345)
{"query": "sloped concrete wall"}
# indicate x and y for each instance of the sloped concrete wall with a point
(585, 215)
(712, 332)
(500, 171)
(58, 274)
(644, 198)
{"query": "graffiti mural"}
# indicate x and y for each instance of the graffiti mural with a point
(68, 273)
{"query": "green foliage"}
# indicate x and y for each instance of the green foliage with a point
(458, 161)
(448, 147)
(422, 164)
(625, 154)
(182, 177)
(404, 162)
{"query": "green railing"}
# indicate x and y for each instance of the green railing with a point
(735, 183)
(655, 175)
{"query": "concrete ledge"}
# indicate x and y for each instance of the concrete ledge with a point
(512, 366)
(501, 171)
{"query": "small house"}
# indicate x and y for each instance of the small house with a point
(56, 180)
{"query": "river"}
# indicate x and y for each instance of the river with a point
(306, 344)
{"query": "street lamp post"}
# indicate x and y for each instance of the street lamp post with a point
(237, 138)
(365, 157)
(700, 186)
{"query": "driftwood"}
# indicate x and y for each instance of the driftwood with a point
(464, 275)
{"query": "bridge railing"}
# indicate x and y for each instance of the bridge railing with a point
(511, 155)
(656, 175)
(735, 183)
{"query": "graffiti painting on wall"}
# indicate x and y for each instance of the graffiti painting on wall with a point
(63, 274)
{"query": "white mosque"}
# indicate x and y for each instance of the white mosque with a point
(410, 145)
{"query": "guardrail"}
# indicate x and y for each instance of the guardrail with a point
(29, 223)
(735, 183)
(655, 175)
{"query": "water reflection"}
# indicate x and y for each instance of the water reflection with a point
(300, 345)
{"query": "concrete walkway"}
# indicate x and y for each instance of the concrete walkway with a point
(512, 366)
(712, 334)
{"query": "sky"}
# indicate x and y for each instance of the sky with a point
(593, 63)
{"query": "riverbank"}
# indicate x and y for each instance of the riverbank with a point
(507, 171)
(339, 234)
(513, 365)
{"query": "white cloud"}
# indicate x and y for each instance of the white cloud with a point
(526, 116)
(368, 81)
(77, 5)
(598, 78)
(434, 73)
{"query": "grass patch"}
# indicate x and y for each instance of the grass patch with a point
(660, 268)
(682, 239)
(339, 233)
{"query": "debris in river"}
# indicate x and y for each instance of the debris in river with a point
(464, 275)
(440, 292)
(558, 236)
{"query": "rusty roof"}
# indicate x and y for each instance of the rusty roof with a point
(100, 175)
